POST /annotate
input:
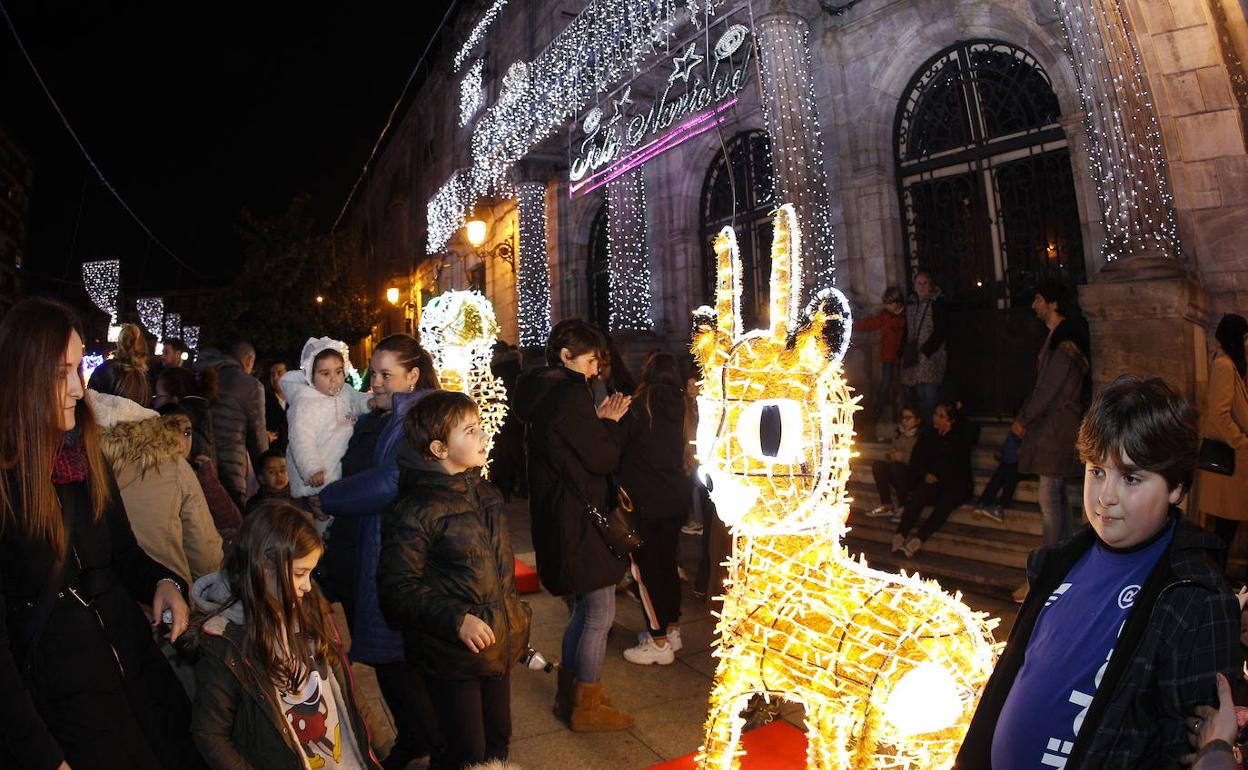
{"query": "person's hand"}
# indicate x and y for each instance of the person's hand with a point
(371, 403)
(63, 766)
(1243, 598)
(168, 597)
(316, 479)
(1018, 430)
(475, 633)
(614, 406)
(201, 459)
(929, 478)
(314, 505)
(1209, 724)
(272, 436)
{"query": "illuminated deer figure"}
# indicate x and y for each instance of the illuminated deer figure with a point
(888, 667)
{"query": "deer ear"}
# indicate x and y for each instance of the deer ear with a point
(830, 318)
(786, 270)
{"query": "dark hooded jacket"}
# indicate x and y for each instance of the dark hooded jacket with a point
(237, 420)
(1052, 413)
(96, 691)
(238, 723)
(1183, 630)
(652, 468)
(571, 455)
(446, 553)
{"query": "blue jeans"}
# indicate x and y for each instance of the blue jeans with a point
(928, 395)
(585, 638)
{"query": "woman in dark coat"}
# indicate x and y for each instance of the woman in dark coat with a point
(402, 373)
(82, 683)
(572, 448)
(652, 471)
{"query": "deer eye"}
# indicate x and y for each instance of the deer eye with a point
(771, 430)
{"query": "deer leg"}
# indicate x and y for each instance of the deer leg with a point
(730, 695)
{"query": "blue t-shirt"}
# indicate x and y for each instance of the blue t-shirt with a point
(1067, 655)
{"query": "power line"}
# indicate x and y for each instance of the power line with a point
(390, 119)
(91, 161)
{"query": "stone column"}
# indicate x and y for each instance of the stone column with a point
(532, 275)
(1125, 150)
(629, 254)
(796, 141)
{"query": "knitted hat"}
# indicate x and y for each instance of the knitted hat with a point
(313, 347)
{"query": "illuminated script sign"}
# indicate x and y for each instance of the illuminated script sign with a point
(680, 97)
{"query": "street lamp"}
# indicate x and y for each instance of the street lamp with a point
(392, 295)
(476, 231)
(320, 299)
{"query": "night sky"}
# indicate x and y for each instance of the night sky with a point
(194, 113)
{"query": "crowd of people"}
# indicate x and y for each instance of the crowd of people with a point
(179, 535)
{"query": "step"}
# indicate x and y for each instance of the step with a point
(1021, 517)
(952, 573)
(983, 457)
(1028, 490)
(961, 541)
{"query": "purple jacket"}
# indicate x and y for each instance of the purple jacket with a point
(364, 496)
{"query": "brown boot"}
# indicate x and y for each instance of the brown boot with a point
(591, 714)
(565, 695)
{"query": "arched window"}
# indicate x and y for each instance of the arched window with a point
(599, 271)
(988, 204)
(739, 190)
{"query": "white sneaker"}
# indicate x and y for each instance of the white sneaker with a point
(692, 528)
(673, 638)
(912, 547)
(647, 652)
(880, 511)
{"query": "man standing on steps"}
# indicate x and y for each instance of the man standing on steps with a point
(1050, 416)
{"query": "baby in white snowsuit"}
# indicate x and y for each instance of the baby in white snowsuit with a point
(321, 415)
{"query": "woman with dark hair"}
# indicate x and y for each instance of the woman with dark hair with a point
(402, 373)
(941, 462)
(1224, 497)
(125, 374)
(652, 472)
(573, 447)
(82, 683)
(194, 391)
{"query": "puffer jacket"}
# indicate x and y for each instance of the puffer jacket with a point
(446, 553)
(360, 499)
(163, 498)
(237, 722)
(571, 454)
(237, 420)
(1182, 631)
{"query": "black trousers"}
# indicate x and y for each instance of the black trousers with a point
(476, 719)
(1225, 529)
(1000, 489)
(415, 721)
(943, 500)
(893, 477)
(655, 569)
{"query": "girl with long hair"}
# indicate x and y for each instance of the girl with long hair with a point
(652, 471)
(273, 688)
(82, 682)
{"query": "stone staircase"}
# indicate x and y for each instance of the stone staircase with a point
(969, 552)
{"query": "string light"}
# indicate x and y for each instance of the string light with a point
(103, 281)
(628, 256)
(889, 667)
(91, 362)
(532, 276)
(478, 33)
(152, 315)
(459, 330)
(1127, 157)
(190, 335)
(606, 41)
(471, 92)
(173, 325)
(792, 121)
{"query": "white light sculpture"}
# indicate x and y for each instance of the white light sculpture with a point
(102, 279)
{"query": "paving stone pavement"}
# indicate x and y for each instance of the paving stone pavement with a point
(667, 702)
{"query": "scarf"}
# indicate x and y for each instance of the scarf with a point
(71, 460)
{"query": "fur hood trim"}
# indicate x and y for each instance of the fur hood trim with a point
(140, 445)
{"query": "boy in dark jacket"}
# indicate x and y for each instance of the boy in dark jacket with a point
(1127, 623)
(447, 578)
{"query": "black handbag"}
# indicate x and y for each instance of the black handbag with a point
(616, 526)
(1216, 457)
(910, 349)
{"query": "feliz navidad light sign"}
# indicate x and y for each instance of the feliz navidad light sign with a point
(696, 86)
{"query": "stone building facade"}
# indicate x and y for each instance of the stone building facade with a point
(951, 135)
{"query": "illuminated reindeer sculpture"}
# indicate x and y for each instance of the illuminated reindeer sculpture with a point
(888, 667)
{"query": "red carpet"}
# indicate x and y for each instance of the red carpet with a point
(526, 579)
(778, 746)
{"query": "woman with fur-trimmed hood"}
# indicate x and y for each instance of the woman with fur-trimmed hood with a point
(163, 498)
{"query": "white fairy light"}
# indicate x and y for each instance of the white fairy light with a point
(91, 362)
(471, 92)
(190, 335)
(102, 279)
(532, 274)
(152, 315)
(628, 256)
(478, 34)
(173, 325)
(1126, 154)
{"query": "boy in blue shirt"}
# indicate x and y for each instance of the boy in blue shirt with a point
(1128, 622)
